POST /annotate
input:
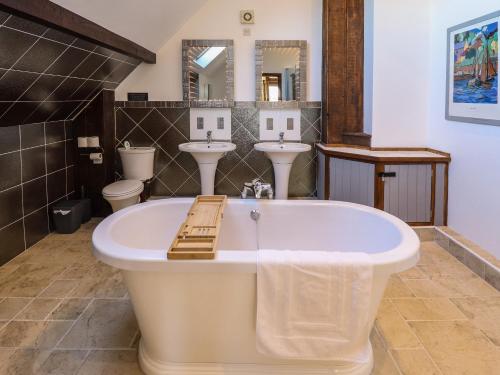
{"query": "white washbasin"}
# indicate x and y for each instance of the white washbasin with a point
(206, 153)
(284, 153)
(282, 156)
(207, 156)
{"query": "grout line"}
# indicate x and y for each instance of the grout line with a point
(22, 189)
(46, 179)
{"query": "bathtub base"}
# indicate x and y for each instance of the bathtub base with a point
(153, 367)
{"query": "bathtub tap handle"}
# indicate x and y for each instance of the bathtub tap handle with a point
(255, 215)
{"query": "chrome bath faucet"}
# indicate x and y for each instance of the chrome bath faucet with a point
(209, 136)
(282, 138)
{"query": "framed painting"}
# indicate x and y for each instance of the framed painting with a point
(472, 73)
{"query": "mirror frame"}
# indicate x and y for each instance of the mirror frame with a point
(260, 45)
(223, 103)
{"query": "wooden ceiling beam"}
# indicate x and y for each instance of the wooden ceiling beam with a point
(52, 15)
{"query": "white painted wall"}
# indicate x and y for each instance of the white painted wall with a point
(401, 66)
(149, 23)
(219, 19)
(474, 195)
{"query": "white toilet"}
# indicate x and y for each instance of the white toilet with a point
(137, 165)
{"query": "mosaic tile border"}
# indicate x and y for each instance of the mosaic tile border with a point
(188, 104)
(484, 268)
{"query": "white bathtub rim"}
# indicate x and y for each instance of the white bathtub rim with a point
(398, 259)
(152, 367)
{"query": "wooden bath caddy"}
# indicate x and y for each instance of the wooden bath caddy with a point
(198, 235)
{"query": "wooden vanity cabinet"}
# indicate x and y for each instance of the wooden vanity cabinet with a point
(411, 184)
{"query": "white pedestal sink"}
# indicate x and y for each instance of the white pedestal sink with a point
(207, 156)
(282, 156)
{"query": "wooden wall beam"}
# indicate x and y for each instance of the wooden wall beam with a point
(343, 60)
(57, 17)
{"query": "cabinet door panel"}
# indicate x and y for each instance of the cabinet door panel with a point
(408, 194)
(352, 181)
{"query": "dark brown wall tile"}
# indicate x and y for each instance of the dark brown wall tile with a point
(40, 56)
(56, 185)
(36, 226)
(13, 84)
(54, 131)
(33, 163)
(10, 165)
(56, 153)
(12, 240)
(14, 43)
(11, 203)
(34, 195)
(9, 139)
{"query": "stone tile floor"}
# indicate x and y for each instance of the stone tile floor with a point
(62, 312)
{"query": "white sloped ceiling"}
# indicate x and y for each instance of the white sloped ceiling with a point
(149, 23)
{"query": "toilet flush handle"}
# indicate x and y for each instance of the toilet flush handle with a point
(127, 145)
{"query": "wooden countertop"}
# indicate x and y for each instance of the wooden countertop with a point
(404, 155)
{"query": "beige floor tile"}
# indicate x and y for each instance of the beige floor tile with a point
(451, 286)
(38, 309)
(11, 306)
(111, 362)
(70, 309)
(432, 253)
(383, 364)
(29, 279)
(105, 324)
(428, 309)
(396, 288)
(451, 267)
(22, 361)
(65, 362)
(59, 288)
(484, 313)
(33, 334)
(458, 347)
(393, 329)
(413, 273)
(109, 286)
(414, 362)
(8, 268)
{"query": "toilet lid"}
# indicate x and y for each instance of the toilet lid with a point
(122, 187)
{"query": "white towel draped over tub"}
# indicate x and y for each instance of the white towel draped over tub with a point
(314, 305)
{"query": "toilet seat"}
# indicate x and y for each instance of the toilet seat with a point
(122, 189)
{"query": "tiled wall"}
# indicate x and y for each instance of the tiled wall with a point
(46, 75)
(164, 125)
(46, 78)
(36, 170)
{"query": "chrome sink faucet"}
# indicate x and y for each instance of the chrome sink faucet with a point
(209, 136)
(282, 138)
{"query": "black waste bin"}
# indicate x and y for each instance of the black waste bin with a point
(67, 216)
(86, 209)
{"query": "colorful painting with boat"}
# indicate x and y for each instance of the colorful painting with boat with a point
(476, 65)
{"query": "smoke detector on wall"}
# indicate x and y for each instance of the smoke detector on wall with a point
(247, 16)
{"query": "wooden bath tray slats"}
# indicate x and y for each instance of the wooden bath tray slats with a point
(198, 235)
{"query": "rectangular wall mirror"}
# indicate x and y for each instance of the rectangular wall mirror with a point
(281, 71)
(208, 73)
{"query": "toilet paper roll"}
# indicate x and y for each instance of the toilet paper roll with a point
(96, 157)
(93, 141)
(82, 142)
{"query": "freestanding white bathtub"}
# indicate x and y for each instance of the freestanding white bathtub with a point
(198, 316)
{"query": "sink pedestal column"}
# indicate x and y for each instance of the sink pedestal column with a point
(281, 176)
(207, 177)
